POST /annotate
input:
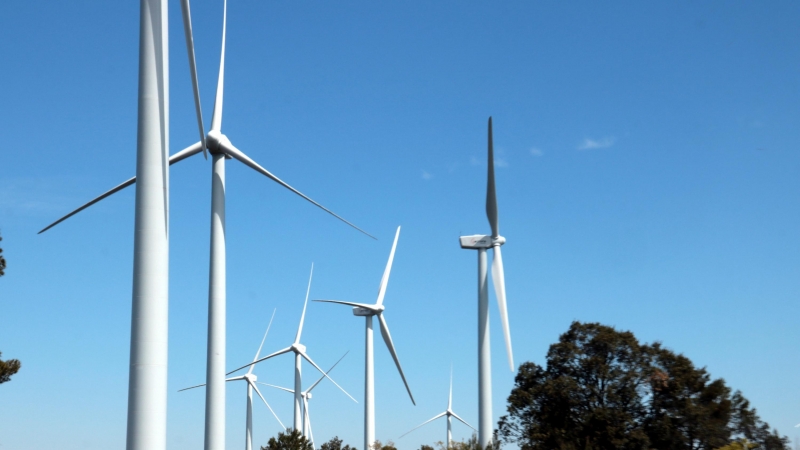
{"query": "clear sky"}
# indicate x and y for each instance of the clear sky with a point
(648, 178)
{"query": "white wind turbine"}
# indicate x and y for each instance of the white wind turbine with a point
(221, 149)
(368, 311)
(448, 413)
(482, 242)
(306, 395)
(299, 351)
(251, 379)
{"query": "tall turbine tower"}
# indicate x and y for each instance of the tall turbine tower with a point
(481, 243)
(299, 351)
(449, 413)
(368, 312)
(221, 148)
(147, 385)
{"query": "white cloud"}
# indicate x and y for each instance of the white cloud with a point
(501, 162)
(473, 160)
(590, 144)
(535, 151)
(426, 175)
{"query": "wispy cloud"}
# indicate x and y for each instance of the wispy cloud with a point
(426, 175)
(591, 144)
(473, 160)
(535, 151)
(500, 162)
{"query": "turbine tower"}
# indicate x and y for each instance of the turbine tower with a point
(368, 312)
(299, 351)
(147, 385)
(251, 379)
(155, 263)
(448, 413)
(481, 243)
(306, 395)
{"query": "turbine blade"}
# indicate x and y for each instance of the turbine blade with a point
(276, 387)
(216, 118)
(303, 316)
(236, 153)
(462, 420)
(387, 270)
(491, 195)
(187, 31)
(498, 279)
(255, 388)
(235, 378)
(387, 338)
(304, 355)
(262, 340)
(450, 400)
(424, 423)
(191, 387)
(279, 352)
(181, 155)
(357, 305)
(323, 377)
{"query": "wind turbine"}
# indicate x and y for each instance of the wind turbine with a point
(306, 395)
(482, 242)
(251, 379)
(448, 413)
(299, 351)
(368, 311)
(221, 149)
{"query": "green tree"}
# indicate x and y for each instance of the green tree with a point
(2, 261)
(290, 440)
(602, 389)
(425, 447)
(378, 445)
(8, 368)
(336, 444)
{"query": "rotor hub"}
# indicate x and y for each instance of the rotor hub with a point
(214, 139)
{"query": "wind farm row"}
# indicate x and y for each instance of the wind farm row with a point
(147, 390)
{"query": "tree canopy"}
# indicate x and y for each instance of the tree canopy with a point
(2, 261)
(8, 368)
(602, 389)
(290, 440)
(335, 444)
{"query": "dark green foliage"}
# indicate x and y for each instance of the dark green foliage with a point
(426, 447)
(290, 440)
(602, 389)
(2, 261)
(336, 444)
(8, 368)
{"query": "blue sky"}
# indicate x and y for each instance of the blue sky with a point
(648, 177)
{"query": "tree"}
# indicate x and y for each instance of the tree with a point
(290, 440)
(8, 368)
(425, 447)
(336, 444)
(2, 261)
(602, 389)
(377, 445)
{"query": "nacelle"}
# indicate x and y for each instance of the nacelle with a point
(476, 241)
(362, 312)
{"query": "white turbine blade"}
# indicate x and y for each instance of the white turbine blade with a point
(262, 340)
(235, 378)
(308, 421)
(255, 388)
(323, 377)
(183, 154)
(387, 270)
(187, 31)
(236, 153)
(462, 420)
(216, 117)
(499, 281)
(450, 399)
(191, 387)
(279, 352)
(387, 338)
(491, 195)
(303, 316)
(276, 387)
(424, 423)
(357, 305)
(304, 355)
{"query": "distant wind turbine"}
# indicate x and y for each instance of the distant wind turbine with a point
(481, 243)
(447, 413)
(251, 379)
(368, 311)
(221, 149)
(299, 351)
(306, 395)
